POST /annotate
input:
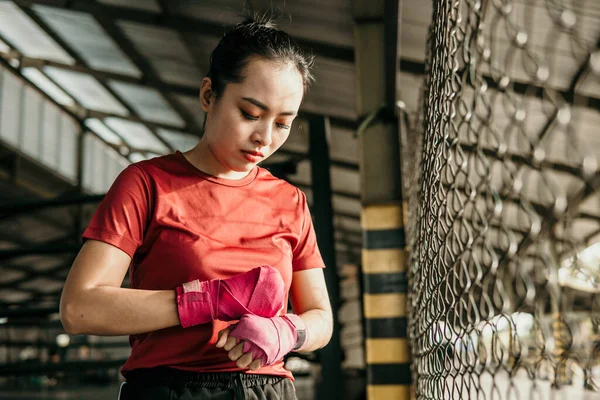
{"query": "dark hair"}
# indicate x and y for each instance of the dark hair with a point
(255, 37)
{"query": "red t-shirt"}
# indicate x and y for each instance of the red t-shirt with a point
(179, 224)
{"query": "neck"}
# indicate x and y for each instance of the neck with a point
(203, 158)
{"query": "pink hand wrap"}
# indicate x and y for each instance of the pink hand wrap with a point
(269, 339)
(259, 291)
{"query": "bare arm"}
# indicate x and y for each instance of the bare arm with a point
(310, 301)
(93, 301)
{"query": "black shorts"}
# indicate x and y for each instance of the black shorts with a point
(171, 384)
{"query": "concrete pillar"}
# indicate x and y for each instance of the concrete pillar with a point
(383, 255)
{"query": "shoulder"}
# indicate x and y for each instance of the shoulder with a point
(279, 188)
(156, 165)
(157, 169)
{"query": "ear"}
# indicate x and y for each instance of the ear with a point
(207, 97)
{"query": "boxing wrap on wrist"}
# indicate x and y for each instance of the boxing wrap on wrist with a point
(269, 339)
(259, 291)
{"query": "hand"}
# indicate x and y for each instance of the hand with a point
(260, 291)
(236, 351)
(265, 339)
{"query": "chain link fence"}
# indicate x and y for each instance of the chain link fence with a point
(504, 204)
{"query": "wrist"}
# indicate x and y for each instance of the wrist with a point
(194, 303)
(301, 334)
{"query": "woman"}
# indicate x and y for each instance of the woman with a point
(210, 238)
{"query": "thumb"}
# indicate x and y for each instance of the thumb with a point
(222, 337)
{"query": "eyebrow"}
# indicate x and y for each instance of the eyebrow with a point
(264, 106)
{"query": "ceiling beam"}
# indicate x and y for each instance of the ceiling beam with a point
(183, 24)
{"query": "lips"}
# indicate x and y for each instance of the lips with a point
(253, 156)
(254, 153)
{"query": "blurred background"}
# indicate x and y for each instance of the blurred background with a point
(448, 150)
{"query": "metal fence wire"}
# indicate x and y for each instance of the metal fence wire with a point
(504, 203)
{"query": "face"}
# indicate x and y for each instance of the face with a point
(251, 119)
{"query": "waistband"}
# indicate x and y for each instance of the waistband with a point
(165, 376)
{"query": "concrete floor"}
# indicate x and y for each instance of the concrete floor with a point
(304, 390)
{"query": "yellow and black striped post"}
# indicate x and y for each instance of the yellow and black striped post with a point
(384, 299)
(376, 31)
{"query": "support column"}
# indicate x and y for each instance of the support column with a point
(330, 356)
(383, 255)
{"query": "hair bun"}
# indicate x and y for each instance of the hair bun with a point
(258, 19)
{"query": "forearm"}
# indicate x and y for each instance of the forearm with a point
(112, 311)
(319, 327)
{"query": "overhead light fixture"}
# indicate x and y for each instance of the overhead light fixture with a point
(63, 340)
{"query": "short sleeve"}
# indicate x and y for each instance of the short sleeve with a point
(121, 217)
(306, 251)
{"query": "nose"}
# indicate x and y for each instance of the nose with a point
(263, 136)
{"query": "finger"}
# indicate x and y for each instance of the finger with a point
(236, 352)
(230, 343)
(223, 336)
(256, 364)
(244, 360)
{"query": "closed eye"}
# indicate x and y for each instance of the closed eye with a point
(249, 116)
(283, 126)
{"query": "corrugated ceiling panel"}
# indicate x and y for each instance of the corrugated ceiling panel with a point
(221, 11)
(67, 148)
(137, 135)
(31, 40)
(412, 41)
(323, 21)
(418, 12)
(137, 157)
(329, 21)
(47, 86)
(334, 91)
(86, 90)
(298, 139)
(115, 164)
(103, 131)
(11, 90)
(3, 46)
(50, 135)
(148, 103)
(343, 145)
(345, 180)
(101, 164)
(85, 35)
(200, 48)
(192, 106)
(145, 5)
(346, 205)
(166, 52)
(178, 140)
(88, 161)
(409, 90)
(33, 124)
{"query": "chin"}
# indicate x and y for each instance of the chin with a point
(242, 168)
